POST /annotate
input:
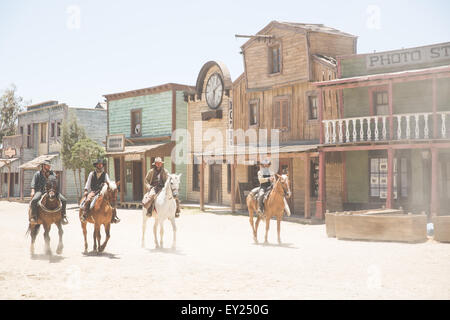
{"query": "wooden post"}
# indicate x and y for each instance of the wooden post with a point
(390, 179)
(344, 178)
(202, 185)
(435, 116)
(307, 185)
(22, 182)
(9, 180)
(321, 201)
(233, 185)
(145, 172)
(434, 182)
(391, 112)
(122, 179)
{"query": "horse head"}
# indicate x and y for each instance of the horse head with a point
(174, 181)
(50, 199)
(283, 181)
(109, 192)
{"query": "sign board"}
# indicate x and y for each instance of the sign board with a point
(10, 152)
(115, 143)
(133, 157)
(401, 58)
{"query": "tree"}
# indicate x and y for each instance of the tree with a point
(84, 154)
(10, 107)
(72, 132)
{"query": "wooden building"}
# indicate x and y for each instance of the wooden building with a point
(140, 127)
(392, 130)
(275, 92)
(39, 138)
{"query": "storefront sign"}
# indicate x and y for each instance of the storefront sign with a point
(115, 143)
(401, 58)
(133, 157)
(10, 152)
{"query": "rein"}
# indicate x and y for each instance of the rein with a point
(49, 210)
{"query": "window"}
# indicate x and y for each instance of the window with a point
(58, 129)
(281, 114)
(136, 123)
(16, 178)
(312, 102)
(253, 112)
(5, 178)
(21, 130)
(379, 177)
(52, 130)
(381, 103)
(43, 132)
(29, 139)
(275, 59)
(195, 176)
(314, 176)
(229, 178)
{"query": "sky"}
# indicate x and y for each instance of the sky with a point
(77, 51)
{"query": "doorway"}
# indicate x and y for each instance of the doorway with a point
(215, 184)
(137, 181)
(285, 167)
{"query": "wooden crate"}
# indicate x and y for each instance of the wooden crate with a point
(441, 228)
(381, 227)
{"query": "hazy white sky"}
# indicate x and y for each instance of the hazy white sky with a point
(76, 51)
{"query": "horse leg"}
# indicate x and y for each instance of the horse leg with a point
(34, 233)
(161, 233)
(155, 232)
(258, 219)
(95, 236)
(250, 213)
(174, 229)
(98, 236)
(279, 228)
(47, 239)
(60, 243)
(83, 227)
(107, 229)
(144, 225)
(267, 228)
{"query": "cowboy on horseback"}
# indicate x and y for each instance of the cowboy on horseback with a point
(266, 178)
(154, 183)
(93, 186)
(38, 188)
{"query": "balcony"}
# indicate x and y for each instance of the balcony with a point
(399, 127)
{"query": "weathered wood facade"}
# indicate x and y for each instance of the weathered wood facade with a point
(392, 130)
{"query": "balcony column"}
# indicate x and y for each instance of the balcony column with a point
(391, 112)
(233, 185)
(307, 185)
(321, 201)
(434, 182)
(320, 106)
(435, 115)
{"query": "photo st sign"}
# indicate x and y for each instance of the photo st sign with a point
(400, 58)
(115, 143)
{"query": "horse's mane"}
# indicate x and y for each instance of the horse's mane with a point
(112, 185)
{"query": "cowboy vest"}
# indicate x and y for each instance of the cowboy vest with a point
(40, 180)
(96, 183)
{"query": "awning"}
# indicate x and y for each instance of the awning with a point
(35, 163)
(140, 149)
(4, 162)
(251, 150)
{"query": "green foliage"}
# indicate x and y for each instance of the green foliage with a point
(72, 132)
(84, 154)
(10, 107)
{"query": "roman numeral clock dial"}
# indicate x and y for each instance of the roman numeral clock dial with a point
(214, 91)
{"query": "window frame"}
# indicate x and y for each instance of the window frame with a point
(43, 135)
(280, 100)
(270, 65)
(308, 96)
(133, 125)
(250, 103)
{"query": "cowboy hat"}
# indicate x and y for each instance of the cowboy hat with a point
(157, 159)
(266, 162)
(45, 162)
(100, 160)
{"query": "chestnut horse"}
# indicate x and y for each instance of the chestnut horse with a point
(274, 205)
(49, 212)
(101, 214)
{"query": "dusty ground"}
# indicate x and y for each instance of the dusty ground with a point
(216, 259)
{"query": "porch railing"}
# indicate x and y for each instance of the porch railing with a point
(406, 126)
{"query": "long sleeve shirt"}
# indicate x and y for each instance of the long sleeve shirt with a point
(264, 175)
(87, 187)
(39, 181)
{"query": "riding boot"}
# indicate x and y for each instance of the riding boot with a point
(85, 214)
(177, 212)
(261, 205)
(150, 211)
(114, 218)
(63, 216)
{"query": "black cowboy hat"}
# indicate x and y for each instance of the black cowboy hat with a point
(100, 160)
(45, 162)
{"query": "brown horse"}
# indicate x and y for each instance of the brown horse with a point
(274, 205)
(49, 212)
(101, 214)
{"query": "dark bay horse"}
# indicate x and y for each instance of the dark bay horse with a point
(101, 214)
(274, 205)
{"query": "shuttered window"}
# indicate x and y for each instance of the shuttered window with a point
(275, 59)
(281, 114)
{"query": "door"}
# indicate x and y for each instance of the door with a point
(11, 184)
(285, 167)
(137, 181)
(215, 184)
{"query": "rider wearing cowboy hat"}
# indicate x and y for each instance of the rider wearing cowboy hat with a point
(93, 186)
(38, 184)
(265, 177)
(154, 182)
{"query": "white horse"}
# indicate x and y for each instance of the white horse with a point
(165, 206)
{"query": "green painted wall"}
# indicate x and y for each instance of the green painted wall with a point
(156, 114)
(357, 174)
(356, 102)
(181, 123)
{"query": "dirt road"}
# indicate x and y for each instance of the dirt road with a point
(216, 258)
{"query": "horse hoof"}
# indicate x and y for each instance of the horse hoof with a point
(59, 251)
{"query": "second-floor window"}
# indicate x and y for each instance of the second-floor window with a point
(52, 130)
(275, 59)
(58, 129)
(312, 103)
(280, 114)
(381, 102)
(29, 139)
(136, 123)
(43, 132)
(253, 112)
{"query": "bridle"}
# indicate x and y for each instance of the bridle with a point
(286, 190)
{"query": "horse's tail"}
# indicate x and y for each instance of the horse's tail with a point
(30, 229)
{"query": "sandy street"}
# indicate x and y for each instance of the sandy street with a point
(215, 258)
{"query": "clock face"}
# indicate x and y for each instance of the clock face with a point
(214, 91)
